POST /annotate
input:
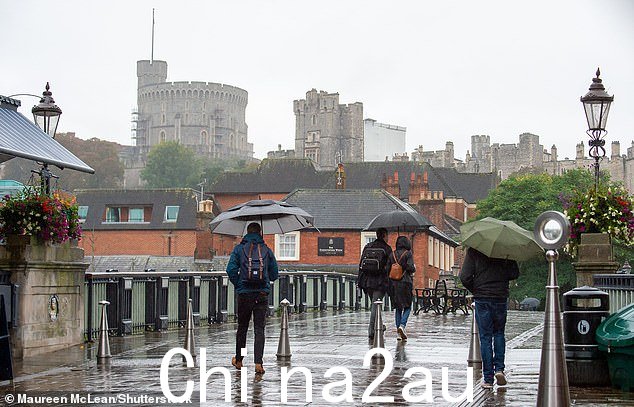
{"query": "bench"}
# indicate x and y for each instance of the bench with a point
(441, 300)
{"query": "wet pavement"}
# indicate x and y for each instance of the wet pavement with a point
(319, 341)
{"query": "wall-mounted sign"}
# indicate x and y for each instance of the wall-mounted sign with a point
(330, 246)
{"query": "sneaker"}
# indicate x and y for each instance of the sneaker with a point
(398, 335)
(237, 363)
(259, 370)
(500, 378)
(486, 385)
(401, 332)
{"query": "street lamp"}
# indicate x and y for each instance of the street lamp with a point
(551, 233)
(596, 104)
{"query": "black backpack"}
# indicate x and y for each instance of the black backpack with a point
(254, 270)
(373, 259)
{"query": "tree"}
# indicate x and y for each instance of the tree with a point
(521, 198)
(171, 165)
(101, 155)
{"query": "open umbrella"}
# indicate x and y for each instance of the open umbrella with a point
(500, 239)
(401, 221)
(274, 217)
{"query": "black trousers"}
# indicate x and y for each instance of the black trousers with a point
(256, 304)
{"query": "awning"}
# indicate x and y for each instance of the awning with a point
(19, 137)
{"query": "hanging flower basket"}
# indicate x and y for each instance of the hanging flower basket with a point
(47, 218)
(606, 211)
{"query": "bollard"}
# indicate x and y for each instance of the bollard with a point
(284, 346)
(474, 359)
(553, 376)
(189, 335)
(103, 353)
(378, 341)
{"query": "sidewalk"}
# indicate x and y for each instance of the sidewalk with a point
(319, 341)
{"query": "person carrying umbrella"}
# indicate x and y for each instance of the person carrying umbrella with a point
(251, 268)
(493, 249)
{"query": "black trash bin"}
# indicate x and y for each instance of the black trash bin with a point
(584, 310)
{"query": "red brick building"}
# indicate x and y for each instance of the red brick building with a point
(156, 222)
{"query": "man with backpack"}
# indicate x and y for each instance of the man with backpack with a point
(373, 272)
(251, 268)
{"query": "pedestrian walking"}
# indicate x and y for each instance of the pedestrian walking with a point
(401, 283)
(373, 272)
(488, 280)
(251, 268)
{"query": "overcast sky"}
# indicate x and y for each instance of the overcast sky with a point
(446, 70)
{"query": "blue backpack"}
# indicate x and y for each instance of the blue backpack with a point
(254, 265)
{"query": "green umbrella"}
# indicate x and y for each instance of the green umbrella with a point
(500, 239)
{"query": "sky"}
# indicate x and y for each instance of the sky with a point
(446, 70)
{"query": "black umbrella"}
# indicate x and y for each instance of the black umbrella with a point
(401, 221)
(274, 217)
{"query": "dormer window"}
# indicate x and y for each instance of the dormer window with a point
(171, 213)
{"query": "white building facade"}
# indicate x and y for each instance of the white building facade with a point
(382, 141)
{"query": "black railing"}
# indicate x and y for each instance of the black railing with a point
(152, 300)
(620, 288)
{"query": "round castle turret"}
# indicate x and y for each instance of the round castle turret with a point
(205, 116)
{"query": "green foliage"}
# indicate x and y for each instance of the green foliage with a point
(101, 155)
(171, 165)
(521, 198)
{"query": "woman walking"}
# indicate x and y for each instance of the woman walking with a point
(400, 290)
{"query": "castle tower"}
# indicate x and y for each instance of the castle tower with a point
(580, 151)
(616, 149)
(327, 132)
(151, 73)
(530, 151)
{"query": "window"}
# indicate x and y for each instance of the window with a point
(162, 137)
(287, 246)
(113, 214)
(366, 237)
(135, 215)
(171, 213)
(430, 251)
(442, 256)
(163, 118)
(436, 253)
(82, 211)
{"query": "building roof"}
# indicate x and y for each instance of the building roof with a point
(284, 175)
(137, 263)
(272, 176)
(98, 199)
(344, 208)
(19, 137)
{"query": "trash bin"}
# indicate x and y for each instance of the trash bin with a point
(616, 337)
(584, 310)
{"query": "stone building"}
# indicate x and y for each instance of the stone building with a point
(207, 117)
(382, 140)
(328, 132)
(528, 155)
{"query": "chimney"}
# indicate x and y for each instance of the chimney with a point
(391, 185)
(414, 188)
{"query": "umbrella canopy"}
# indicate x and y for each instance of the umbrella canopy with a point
(402, 221)
(274, 217)
(500, 239)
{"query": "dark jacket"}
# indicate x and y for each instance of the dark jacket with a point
(233, 267)
(375, 281)
(400, 291)
(487, 277)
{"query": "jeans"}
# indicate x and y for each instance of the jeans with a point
(256, 304)
(490, 315)
(401, 315)
(375, 295)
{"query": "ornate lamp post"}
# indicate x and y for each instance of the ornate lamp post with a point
(596, 104)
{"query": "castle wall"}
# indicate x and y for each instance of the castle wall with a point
(204, 116)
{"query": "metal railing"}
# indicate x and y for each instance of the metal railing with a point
(152, 300)
(620, 288)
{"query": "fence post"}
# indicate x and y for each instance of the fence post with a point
(291, 294)
(194, 290)
(212, 300)
(125, 306)
(316, 292)
(342, 292)
(271, 310)
(302, 293)
(335, 291)
(323, 306)
(162, 287)
(89, 321)
(222, 306)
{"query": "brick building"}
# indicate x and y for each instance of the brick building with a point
(157, 222)
(340, 218)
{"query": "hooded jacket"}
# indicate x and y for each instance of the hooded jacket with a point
(400, 291)
(233, 267)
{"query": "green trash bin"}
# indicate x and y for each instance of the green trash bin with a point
(615, 336)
